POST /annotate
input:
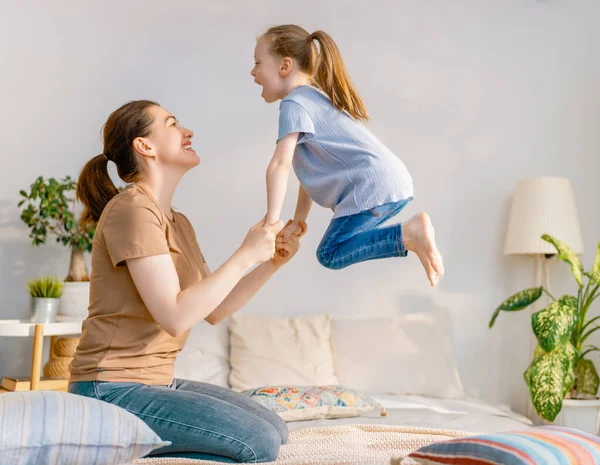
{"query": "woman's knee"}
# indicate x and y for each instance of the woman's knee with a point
(276, 422)
(282, 429)
(264, 446)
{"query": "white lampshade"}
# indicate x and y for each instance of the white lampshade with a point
(543, 205)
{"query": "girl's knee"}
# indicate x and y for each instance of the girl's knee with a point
(326, 259)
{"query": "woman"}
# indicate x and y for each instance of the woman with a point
(150, 285)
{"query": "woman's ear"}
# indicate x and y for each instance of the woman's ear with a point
(286, 66)
(143, 146)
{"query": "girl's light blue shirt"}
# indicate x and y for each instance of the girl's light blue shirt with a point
(340, 164)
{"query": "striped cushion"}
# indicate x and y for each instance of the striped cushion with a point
(542, 445)
(58, 428)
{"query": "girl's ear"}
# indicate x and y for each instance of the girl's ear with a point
(286, 66)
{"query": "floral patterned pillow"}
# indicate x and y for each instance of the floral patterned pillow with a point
(296, 403)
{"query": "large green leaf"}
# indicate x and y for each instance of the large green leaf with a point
(587, 380)
(537, 353)
(554, 324)
(518, 301)
(548, 377)
(572, 355)
(594, 275)
(566, 254)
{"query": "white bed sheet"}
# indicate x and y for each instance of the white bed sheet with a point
(464, 414)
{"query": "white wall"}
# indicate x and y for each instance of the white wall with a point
(473, 95)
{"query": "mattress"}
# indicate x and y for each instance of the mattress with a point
(464, 414)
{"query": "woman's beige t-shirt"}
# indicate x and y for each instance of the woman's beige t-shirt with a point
(120, 339)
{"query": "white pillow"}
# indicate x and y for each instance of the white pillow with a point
(408, 354)
(205, 356)
(271, 351)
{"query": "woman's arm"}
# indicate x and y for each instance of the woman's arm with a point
(243, 291)
(253, 281)
(278, 173)
(176, 311)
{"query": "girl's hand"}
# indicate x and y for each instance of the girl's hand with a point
(296, 228)
(285, 251)
(290, 226)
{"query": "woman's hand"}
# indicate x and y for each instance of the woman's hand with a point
(259, 243)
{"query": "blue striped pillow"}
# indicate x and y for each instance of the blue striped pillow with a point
(542, 445)
(59, 428)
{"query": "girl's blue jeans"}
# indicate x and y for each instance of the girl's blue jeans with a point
(356, 238)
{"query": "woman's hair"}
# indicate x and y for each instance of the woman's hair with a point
(325, 65)
(94, 186)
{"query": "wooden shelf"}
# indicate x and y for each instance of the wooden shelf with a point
(25, 328)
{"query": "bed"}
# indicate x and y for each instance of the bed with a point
(406, 353)
(371, 439)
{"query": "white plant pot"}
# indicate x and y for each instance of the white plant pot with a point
(583, 415)
(75, 300)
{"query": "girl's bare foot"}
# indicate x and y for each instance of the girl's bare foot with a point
(418, 236)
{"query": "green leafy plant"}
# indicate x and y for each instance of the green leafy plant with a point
(559, 367)
(49, 287)
(49, 209)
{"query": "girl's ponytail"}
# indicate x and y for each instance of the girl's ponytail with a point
(332, 77)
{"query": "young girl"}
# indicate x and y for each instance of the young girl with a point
(339, 163)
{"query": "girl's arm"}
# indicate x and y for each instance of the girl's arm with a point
(302, 206)
(302, 210)
(278, 174)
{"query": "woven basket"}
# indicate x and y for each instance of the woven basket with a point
(65, 347)
(62, 353)
(57, 367)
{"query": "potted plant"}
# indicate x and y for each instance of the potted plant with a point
(45, 298)
(560, 377)
(49, 210)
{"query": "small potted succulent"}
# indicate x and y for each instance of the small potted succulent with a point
(45, 298)
(560, 378)
(48, 209)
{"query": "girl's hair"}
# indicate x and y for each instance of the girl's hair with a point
(94, 186)
(325, 66)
